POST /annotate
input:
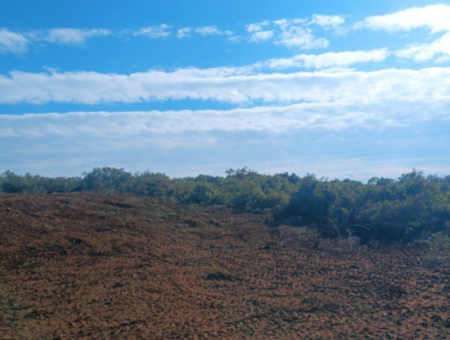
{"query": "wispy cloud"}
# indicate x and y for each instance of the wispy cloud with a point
(257, 27)
(302, 38)
(330, 22)
(11, 42)
(19, 43)
(235, 39)
(184, 32)
(439, 50)
(261, 36)
(327, 21)
(296, 33)
(154, 32)
(211, 30)
(434, 17)
(73, 35)
(326, 60)
(285, 23)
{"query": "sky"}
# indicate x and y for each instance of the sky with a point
(348, 89)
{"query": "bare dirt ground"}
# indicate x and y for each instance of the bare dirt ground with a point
(79, 266)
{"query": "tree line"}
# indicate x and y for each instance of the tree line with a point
(404, 209)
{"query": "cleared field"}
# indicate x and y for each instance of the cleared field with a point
(79, 266)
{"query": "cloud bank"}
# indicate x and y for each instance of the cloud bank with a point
(233, 85)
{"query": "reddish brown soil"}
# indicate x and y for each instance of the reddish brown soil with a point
(109, 267)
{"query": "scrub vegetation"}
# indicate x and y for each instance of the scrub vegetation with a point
(411, 208)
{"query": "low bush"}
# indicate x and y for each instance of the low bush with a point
(411, 207)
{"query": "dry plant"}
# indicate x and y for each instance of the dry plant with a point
(347, 243)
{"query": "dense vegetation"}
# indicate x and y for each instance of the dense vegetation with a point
(411, 207)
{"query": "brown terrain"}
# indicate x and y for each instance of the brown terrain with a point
(84, 266)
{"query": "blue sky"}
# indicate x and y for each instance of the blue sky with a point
(342, 89)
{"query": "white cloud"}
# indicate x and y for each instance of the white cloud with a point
(234, 85)
(281, 139)
(298, 37)
(257, 27)
(285, 23)
(326, 60)
(208, 30)
(235, 39)
(11, 42)
(184, 33)
(375, 108)
(295, 33)
(434, 17)
(211, 30)
(261, 36)
(73, 35)
(442, 60)
(327, 21)
(438, 50)
(154, 32)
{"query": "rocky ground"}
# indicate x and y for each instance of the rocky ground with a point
(82, 266)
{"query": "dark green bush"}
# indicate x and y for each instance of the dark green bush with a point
(413, 206)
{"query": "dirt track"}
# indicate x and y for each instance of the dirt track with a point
(109, 267)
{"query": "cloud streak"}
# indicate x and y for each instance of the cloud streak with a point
(327, 21)
(20, 42)
(439, 50)
(154, 32)
(211, 30)
(72, 35)
(434, 17)
(11, 42)
(233, 85)
(337, 115)
(326, 60)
